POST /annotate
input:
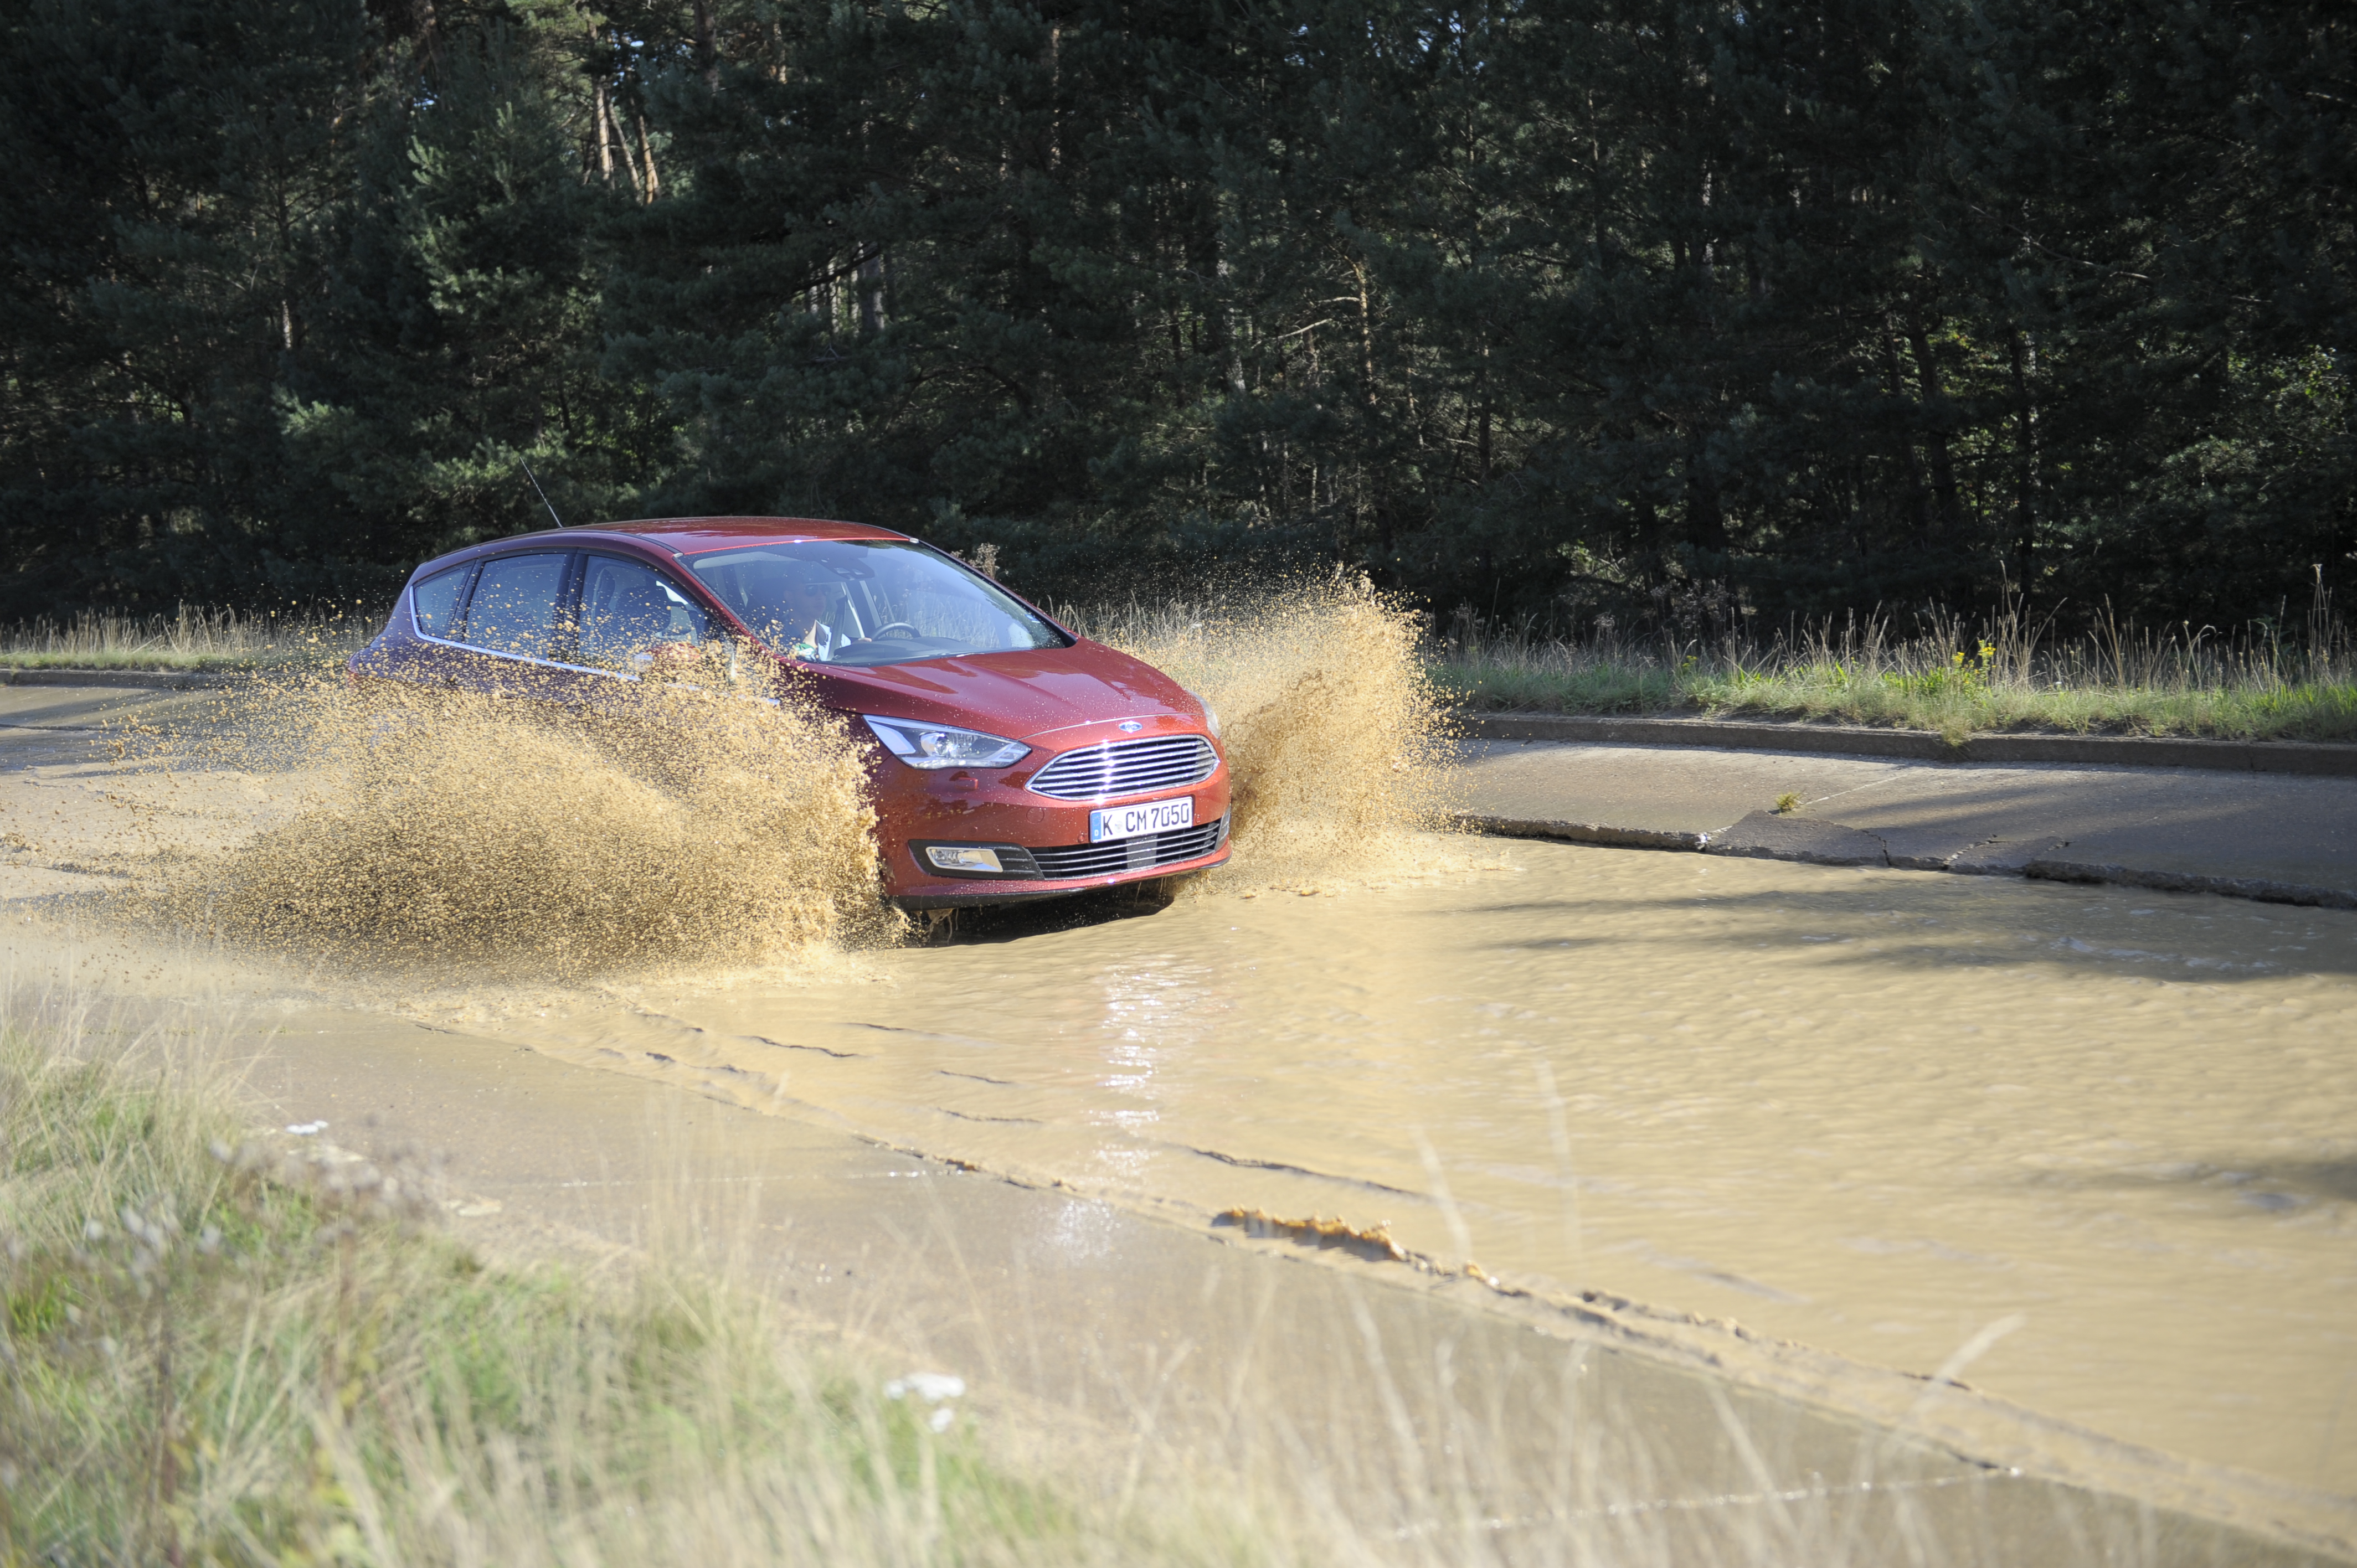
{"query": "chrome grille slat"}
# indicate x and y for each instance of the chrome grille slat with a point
(1105, 859)
(1127, 768)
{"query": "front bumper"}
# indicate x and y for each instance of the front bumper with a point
(1042, 841)
(1076, 868)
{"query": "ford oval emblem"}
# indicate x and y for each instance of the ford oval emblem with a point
(1130, 726)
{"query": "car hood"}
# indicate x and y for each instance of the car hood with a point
(1023, 695)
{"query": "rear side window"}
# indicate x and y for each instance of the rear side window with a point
(629, 611)
(434, 602)
(515, 609)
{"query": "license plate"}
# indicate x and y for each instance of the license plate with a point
(1129, 821)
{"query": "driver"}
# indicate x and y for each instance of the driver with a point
(809, 634)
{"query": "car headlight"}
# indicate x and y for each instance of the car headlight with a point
(939, 745)
(1211, 715)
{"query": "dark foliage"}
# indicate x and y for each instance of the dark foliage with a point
(1674, 310)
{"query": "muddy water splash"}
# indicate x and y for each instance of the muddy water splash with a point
(1334, 733)
(405, 824)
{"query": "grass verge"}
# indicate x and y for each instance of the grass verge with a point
(210, 1353)
(1948, 682)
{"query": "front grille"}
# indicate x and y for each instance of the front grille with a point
(1141, 854)
(1128, 767)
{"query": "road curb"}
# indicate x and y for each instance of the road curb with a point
(2042, 867)
(2313, 759)
(136, 680)
(1581, 833)
(2257, 888)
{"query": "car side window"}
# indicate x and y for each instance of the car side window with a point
(434, 602)
(632, 615)
(517, 605)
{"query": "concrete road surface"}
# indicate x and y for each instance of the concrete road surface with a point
(2272, 831)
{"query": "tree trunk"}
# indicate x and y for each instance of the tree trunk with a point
(1944, 508)
(708, 53)
(2030, 482)
(605, 136)
(1919, 492)
(1366, 333)
(871, 293)
(1705, 520)
(1056, 95)
(1231, 328)
(647, 151)
(1481, 435)
(629, 159)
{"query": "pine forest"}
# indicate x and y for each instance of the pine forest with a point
(1710, 313)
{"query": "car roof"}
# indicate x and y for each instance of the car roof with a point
(692, 535)
(679, 537)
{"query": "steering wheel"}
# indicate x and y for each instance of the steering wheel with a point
(890, 627)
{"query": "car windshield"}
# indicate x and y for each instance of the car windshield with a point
(868, 601)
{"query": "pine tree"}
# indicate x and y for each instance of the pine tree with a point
(176, 163)
(457, 337)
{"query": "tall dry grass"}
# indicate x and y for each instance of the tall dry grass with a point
(2005, 671)
(194, 637)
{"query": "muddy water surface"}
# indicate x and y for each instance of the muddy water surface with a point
(2109, 1138)
(1879, 1112)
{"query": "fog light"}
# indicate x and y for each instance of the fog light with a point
(954, 859)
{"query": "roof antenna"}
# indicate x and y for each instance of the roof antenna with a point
(540, 493)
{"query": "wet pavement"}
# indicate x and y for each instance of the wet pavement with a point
(2289, 834)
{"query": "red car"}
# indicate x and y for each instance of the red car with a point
(1012, 758)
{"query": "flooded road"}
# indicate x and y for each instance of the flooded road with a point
(2105, 1138)
(1876, 1112)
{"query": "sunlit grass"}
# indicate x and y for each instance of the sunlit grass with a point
(1947, 680)
(193, 638)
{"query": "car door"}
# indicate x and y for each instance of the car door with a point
(518, 624)
(636, 620)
